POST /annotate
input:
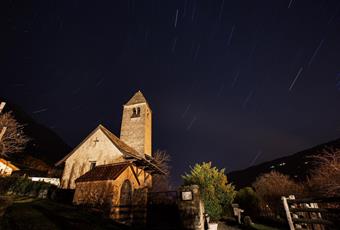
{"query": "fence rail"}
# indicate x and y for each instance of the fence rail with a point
(314, 200)
(307, 213)
(333, 210)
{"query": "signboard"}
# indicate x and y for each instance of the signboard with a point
(187, 195)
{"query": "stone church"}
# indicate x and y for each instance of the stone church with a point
(106, 170)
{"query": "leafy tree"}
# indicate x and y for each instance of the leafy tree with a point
(13, 140)
(217, 193)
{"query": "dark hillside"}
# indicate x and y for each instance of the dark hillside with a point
(45, 145)
(297, 166)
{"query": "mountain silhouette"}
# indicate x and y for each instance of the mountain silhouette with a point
(297, 166)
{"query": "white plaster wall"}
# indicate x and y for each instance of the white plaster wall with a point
(103, 152)
(50, 180)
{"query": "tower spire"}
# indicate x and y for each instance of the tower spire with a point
(137, 98)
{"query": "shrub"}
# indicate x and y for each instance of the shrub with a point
(6, 183)
(247, 221)
(248, 200)
(217, 193)
(22, 186)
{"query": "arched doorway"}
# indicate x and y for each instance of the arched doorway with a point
(125, 202)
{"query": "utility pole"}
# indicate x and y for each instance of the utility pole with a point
(2, 133)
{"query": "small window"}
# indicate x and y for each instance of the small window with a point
(92, 165)
(135, 112)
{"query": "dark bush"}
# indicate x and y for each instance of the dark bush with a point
(22, 186)
(248, 201)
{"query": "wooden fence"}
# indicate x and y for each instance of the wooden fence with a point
(312, 213)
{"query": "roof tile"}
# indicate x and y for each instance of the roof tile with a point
(104, 172)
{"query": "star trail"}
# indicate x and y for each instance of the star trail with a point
(232, 82)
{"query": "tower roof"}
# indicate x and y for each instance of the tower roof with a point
(137, 98)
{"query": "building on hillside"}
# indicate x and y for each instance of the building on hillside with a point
(49, 180)
(7, 168)
(105, 169)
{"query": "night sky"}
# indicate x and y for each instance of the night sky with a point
(232, 82)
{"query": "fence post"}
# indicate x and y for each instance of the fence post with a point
(2, 133)
(2, 105)
(317, 214)
(289, 217)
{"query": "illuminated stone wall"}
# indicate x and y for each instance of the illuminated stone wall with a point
(106, 195)
(97, 148)
(136, 131)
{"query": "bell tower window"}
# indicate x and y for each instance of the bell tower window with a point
(135, 112)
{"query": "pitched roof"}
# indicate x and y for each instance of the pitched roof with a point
(124, 148)
(137, 98)
(104, 172)
(9, 164)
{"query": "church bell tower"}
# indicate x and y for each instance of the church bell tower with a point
(136, 128)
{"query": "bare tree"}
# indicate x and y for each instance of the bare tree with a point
(13, 139)
(161, 182)
(271, 186)
(325, 178)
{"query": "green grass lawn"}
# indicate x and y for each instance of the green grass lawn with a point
(4, 203)
(28, 213)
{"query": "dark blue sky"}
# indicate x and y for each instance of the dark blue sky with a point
(232, 82)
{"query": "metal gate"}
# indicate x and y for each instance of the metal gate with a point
(162, 210)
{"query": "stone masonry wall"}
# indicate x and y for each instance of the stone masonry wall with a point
(191, 211)
(136, 131)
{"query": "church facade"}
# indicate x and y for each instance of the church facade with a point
(107, 170)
